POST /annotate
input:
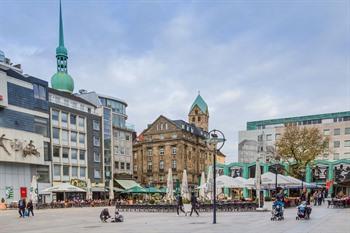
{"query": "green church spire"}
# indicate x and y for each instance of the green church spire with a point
(62, 80)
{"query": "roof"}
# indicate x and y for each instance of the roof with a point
(252, 125)
(190, 128)
(70, 96)
(202, 105)
(127, 184)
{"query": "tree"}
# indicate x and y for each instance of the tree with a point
(299, 146)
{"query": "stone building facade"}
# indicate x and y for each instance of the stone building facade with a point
(174, 144)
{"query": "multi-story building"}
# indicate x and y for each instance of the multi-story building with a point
(24, 132)
(75, 129)
(334, 125)
(116, 135)
(174, 144)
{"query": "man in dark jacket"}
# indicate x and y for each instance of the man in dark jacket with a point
(21, 207)
(194, 203)
(180, 205)
(104, 215)
(30, 208)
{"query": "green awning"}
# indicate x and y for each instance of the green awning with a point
(118, 190)
(153, 190)
(135, 189)
(127, 184)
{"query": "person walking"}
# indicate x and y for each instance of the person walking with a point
(30, 208)
(22, 207)
(315, 196)
(194, 203)
(320, 198)
(180, 205)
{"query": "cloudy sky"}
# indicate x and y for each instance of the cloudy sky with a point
(251, 60)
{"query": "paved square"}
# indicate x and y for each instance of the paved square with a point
(86, 220)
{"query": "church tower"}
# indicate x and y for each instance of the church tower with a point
(199, 114)
(61, 80)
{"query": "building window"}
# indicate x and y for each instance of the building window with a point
(57, 170)
(56, 151)
(122, 165)
(56, 133)
(82, 154)
(336, 144)
(40, 126)
(336, 132)
(326, 132)
(135, 168)
(73, 137)
(97, 174)
(347, 143)
(65, 170)
(46, 151)
(96, 125)
(97, 156)
(161, 136)
(116, 164)
(55, 115)
(347, 155)
(96, 141)
(81, 121)
(149, 166)
(149, 152)
(347, 131)
(82, 172)
(174, 136)
(173, 164)
(82, 138)
(74, 154)
(161, 151)
(193, 119)
(336, 156)
(173, 151)
(122, 150)
(127, 137)
(161, 178)
(277, 136)
(64, 118)
(65, 153)
(268, 137)
(161, 164)
(73, 119)
(39, 91)
(127, 166)
(166, 126)
(65, 137)
(75, 171)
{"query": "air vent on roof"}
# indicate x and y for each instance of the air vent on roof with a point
(82, 91)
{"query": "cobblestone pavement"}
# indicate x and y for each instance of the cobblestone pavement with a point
(86, 220)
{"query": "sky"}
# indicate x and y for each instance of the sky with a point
(250, 60)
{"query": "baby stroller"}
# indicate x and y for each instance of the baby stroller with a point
(304, 211)
(277, 211)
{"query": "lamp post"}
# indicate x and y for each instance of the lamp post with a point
(216, 139)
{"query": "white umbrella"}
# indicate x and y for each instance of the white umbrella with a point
(268, 181)
(243, 183)
(169, 189)
(202, 190)
(210, 183)
(88, 189)
(184, 186)
(64, 188)
(111, 191)
(258, 180)
(34, 189)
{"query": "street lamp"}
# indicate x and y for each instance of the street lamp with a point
(216, 139)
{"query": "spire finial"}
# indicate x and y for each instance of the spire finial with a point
(61, 38)
(199, 92)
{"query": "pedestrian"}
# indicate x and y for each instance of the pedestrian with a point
(194, 203)
(180, 205)
(22, 207)
(104, 215)
(319, 198)
(315, 196)
(30, 208)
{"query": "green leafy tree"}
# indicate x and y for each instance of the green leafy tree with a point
(299, 146)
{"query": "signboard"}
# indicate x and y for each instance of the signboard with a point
(342, 172)
(320, 173)
(9, 192)
(236, 171)
(23, 192)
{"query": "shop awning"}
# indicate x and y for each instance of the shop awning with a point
(63, 188)
(135, 189)
(127, 184)
(98, 189)
(118, 190)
